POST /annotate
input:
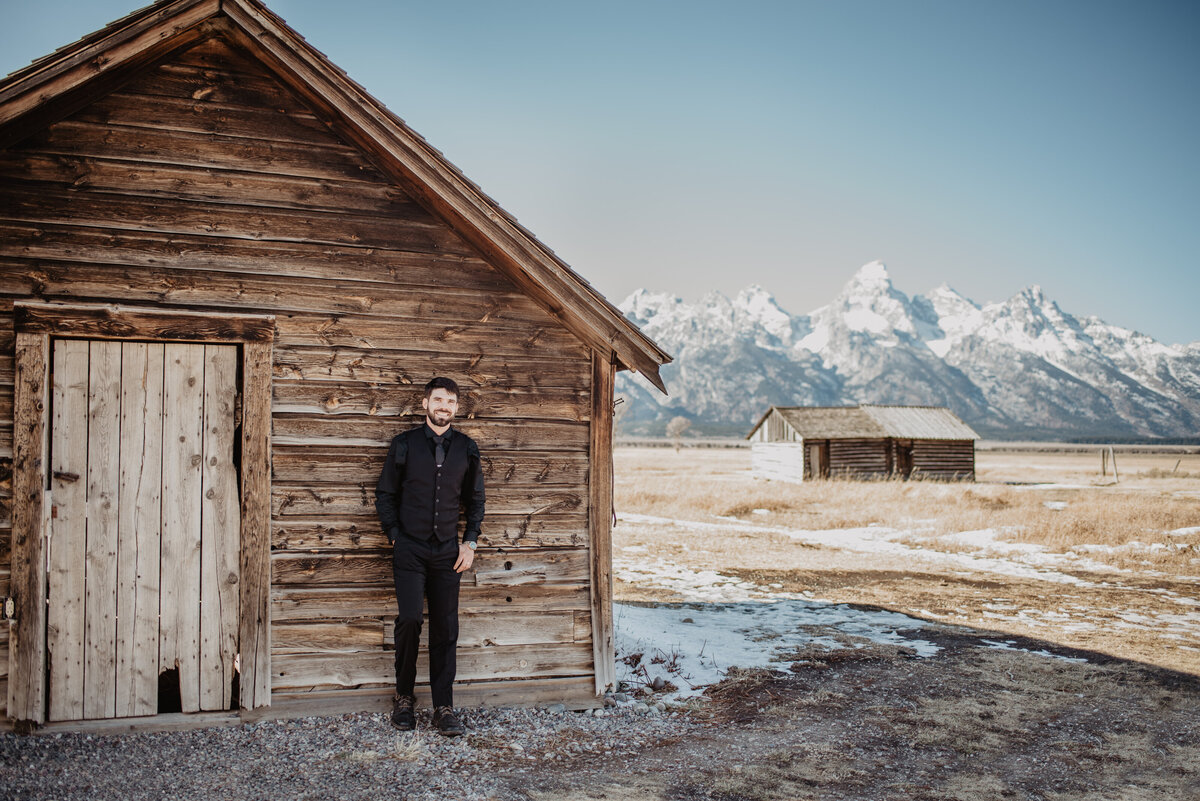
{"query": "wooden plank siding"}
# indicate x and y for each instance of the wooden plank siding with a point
(7, 342)
(866, 458)
(204, 185)
(778, 461)
(857, 457)
(774, 429)
(946, 459)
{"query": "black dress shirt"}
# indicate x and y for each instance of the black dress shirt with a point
(419, 499)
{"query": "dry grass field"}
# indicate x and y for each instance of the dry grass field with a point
(1073, 558)
(1063, 606)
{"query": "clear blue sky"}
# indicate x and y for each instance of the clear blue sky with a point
(692, 146)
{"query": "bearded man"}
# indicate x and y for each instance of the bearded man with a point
(431, 472)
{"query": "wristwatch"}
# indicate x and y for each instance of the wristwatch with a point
(471, 544)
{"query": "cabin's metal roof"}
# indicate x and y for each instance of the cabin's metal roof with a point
(821, 422)
(871, 421)
(920, 422)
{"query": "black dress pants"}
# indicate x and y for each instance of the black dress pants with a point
(424, 569)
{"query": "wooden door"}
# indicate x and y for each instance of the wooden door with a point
(904, 458)
(144, 538)
(817, 461)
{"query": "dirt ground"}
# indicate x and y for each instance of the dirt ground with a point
(1073, 678)
(875, 723)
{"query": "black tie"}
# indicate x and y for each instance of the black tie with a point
(439, 454)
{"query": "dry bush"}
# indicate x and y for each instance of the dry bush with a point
(1158, 472)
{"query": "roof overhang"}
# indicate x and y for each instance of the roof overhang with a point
(65, 81)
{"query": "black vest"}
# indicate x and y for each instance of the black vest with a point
(430, 495)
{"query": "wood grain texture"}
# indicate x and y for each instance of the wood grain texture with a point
(65, 242)
(236, 115)
(465, 338)
(308, 602)
(134, 285)
(123, 322)
(514, 467)
(600, 511)
(182, 483)
(575, 692)
(348, 430)
(103, 497)
(407, 370)
(31, 513)
(481, 630)
(44, 204)
(220, 537)
(145, 180)
(291, 671)
(139, 559)
(499, 530)
(359, 500)
(255, 577)
(68, 536)
(530, 403)
(505, 568)
(326, 160)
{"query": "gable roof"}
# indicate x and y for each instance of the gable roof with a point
(870, 421)
(919, 422)
(68, 79)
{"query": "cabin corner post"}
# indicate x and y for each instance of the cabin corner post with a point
(600, 512)
(30, 519)
(254, 635)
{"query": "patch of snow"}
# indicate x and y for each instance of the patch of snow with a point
(861, 319)
(940, 347)
(694, 645)
(1057, 506)
(691, 585)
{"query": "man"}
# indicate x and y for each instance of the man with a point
(430, 471)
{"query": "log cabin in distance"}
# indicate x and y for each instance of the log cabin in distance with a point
(228, 272)
(801, 443)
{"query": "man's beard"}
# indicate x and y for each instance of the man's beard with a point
(439, 418)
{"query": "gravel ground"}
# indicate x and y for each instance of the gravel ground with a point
(346, 757)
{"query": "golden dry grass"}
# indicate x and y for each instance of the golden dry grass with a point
(702, 484)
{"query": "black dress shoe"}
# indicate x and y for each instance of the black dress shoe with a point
(447, 723)
(402, 713)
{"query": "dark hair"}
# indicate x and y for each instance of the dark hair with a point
(441, 382)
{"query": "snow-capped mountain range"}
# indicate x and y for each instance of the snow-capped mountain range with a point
(1016, 369)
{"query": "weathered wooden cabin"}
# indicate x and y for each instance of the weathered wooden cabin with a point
(227, 273)
(798, 443)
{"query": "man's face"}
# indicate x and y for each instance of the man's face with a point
(440, 406)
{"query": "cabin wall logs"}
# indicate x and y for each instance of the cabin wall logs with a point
(866, 458)
(949, 459)
(203, 184)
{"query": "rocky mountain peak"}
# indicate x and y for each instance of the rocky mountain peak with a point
(1022, 367)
